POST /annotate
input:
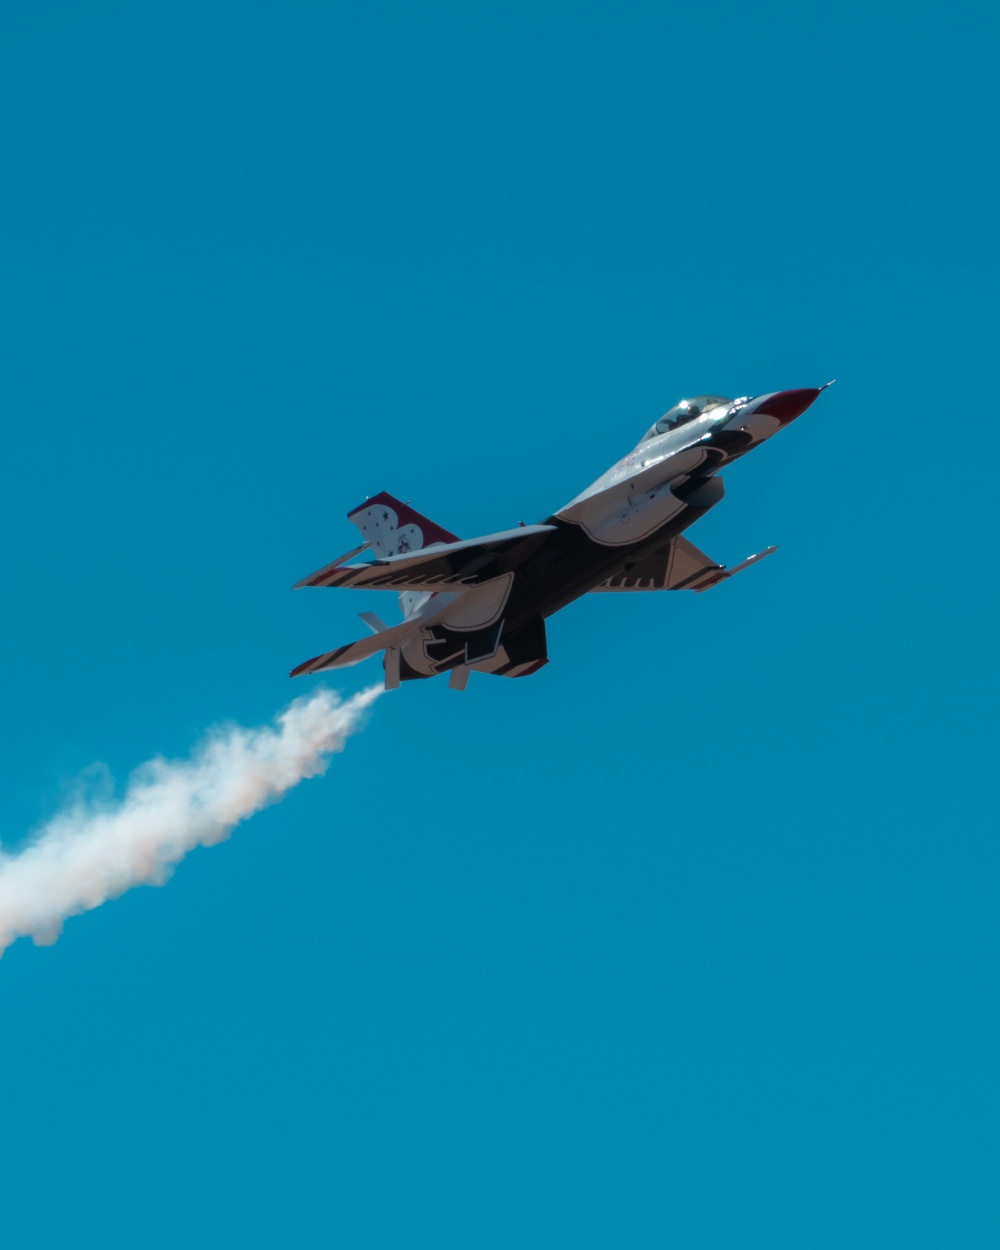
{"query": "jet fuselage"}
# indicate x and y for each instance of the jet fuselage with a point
(482, 604)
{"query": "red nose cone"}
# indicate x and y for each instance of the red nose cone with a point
(787, 405)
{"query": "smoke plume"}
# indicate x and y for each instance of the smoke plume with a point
(91, 853)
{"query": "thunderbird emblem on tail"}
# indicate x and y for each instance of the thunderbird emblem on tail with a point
(481, 603)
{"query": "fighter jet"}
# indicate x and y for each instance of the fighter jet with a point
(480, 604)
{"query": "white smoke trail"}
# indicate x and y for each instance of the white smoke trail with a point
(88, 854)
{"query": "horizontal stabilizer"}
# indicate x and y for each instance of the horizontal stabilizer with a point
(678, 566)
(355, 652)
(340, 562)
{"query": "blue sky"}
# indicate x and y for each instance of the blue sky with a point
(689, 940)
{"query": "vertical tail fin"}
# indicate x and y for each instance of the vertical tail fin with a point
(391, 527)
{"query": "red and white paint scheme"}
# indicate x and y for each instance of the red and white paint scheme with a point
(482, 603)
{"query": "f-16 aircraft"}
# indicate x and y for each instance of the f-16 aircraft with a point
(480, 604)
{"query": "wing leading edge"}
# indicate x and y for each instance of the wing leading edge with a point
(451, 566)
(678, 566)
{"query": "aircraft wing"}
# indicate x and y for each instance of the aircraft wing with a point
(677, 566)
(444, 566)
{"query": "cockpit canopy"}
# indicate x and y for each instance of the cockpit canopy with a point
(685, 411)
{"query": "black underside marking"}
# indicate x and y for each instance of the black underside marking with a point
(526, 645)
(727, 444)
(406, 671)
(550, 571)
